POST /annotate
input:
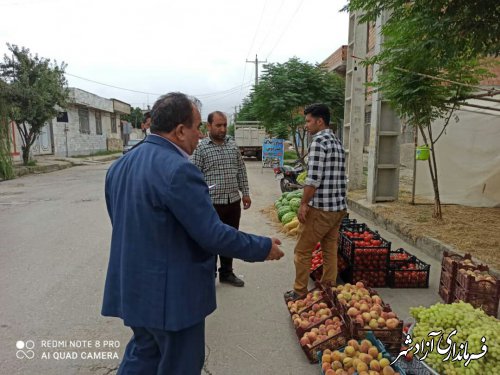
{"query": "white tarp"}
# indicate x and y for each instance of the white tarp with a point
(468, 159)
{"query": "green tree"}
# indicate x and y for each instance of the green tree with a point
(285, 89)
(35, 87)
(6, 169)
(246, 112)
(429, 62)
(135, 117)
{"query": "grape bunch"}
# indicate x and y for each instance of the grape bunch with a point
(471, 325)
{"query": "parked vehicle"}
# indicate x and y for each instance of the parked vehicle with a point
(249, 136)
(287, 176)
(130, 144)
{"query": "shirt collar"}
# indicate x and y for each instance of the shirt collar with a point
(323, 132)
(210, 140)
(183, 153)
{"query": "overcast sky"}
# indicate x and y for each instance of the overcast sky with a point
(197, 47)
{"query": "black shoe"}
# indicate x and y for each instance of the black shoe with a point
(291, 295)
(231, 279)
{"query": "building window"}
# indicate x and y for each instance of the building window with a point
(98, 123)
(83, 116)
(113, 124)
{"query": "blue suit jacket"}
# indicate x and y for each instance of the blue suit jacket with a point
(165, 237)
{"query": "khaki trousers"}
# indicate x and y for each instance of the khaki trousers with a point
(320, 226)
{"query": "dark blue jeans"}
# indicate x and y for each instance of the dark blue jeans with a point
(158, 352)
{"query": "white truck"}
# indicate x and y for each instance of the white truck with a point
(249, 136)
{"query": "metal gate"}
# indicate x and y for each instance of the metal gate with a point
(43, 144)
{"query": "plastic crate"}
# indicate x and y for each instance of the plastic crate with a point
(380, 347)
(371, 257)
(316, 273)
(400, 252)
(341, 307)
(333, 343)
(487, 302)
(417, 277)
(372, 277)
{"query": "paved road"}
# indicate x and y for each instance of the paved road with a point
(54, 239)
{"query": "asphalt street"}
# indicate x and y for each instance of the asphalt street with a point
(54, 247)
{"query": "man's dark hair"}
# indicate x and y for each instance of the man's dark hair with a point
(319, 110)
(211, 116)
(171, 110)
(146, 116)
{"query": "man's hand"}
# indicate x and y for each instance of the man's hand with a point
(247, 202)
(275, 253)
(301, 215)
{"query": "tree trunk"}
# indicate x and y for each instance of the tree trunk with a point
(26, 154)
(433, 171)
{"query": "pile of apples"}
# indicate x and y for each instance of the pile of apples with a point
(361, 357)
(316, 335)
(317, 313)
(317, 259)
(365, 309)
(295, 307)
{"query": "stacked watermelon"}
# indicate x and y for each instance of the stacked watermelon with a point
(287, 206)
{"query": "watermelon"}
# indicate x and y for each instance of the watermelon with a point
(283, 210)
(295, 204)
(289, 216)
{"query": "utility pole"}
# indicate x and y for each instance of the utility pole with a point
(256, 62)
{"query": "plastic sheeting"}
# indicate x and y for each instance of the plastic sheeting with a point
(468, 159)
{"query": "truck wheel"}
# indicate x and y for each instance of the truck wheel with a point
(258, 155)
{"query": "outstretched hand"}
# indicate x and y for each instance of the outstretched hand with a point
(275, 253)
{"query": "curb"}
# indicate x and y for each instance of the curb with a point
(430, 246)
(23, 171)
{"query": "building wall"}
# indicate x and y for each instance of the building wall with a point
(79, 143)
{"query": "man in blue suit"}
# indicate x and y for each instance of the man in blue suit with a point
(162, 283)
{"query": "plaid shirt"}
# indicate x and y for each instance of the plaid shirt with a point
(222, 166)
(326, 172)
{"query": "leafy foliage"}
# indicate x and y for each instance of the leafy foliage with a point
(432, 55)
(35, 88)
(285, 89)
(135, 117)
(6, 168)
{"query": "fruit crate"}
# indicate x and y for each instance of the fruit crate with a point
(323, 298)
(400, 256)
(450, 261)
(487, 302)
(332, 295)
(390, 337)
(445, 293)
(380, 347)
(333, 343)
(334, 312)
(414, 367)
(361, 254)
(470, 284)
(374, 278)
(316, 273)
(448, 279)
(402, 277)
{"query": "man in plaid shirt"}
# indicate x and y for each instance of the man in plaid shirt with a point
(323, 203)
(220, 161)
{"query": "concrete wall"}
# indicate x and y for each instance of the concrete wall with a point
(79, 143)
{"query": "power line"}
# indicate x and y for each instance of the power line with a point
(285, 29)
(206, 95)
(272, 23)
